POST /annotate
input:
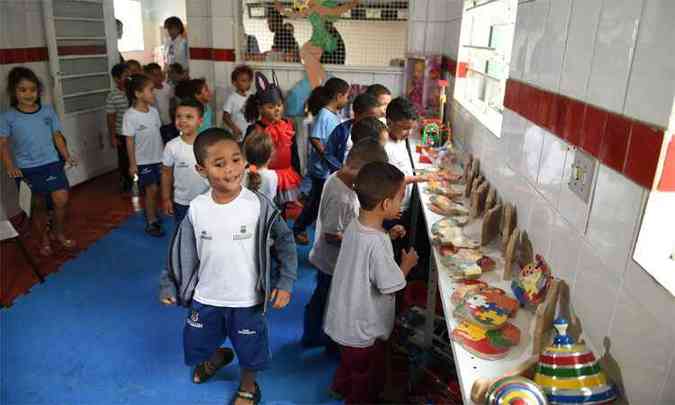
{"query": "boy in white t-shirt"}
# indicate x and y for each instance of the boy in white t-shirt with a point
(181, 182)
(219, 267)
(338, 207)
(163, 92)
(233, 109)
(368, 276)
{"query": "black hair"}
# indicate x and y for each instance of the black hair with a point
(367, 128)
(252, 107)
(378, 90)
(174, 22)
(176, 68)
(191, 102)
(376, 182)
(241, 70)
(136, 83)
(208, 138)
(16, 75)
(258, 148)
(364, 102)
(133, 62)
(401, 109)
(366, 151)
(150, 67)
(118, 70)
(119, 22)
(183, 89)
(322, 95)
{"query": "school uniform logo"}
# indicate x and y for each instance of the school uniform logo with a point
(205, 236)
(142, 128)
(182, 165)
(51, 178)
(193, 320)
(243, 233)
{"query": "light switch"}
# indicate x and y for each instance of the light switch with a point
(581, 175)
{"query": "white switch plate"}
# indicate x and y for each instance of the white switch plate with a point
(581, 175)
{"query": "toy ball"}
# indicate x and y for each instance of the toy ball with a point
(532, 283)
(515, 391)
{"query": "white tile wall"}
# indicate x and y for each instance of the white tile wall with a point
(200, 8)
(223, 8)
(549, 56)
(535, 44)
(416, 36)
(224, 31)
(551, 167)
(199, 30)
(520, 38)
(418, 10)
(435, 37)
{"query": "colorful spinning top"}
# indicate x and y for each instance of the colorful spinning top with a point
(569, 373)
(515, 390)
(532, 282)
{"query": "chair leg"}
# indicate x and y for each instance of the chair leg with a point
(30, 260)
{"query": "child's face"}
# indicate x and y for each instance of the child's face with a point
(173, 31)
(146, 94)
(188, 120)
(26, 92)
(204, 96)
(224, 167)
(157, 77)
(243, 83)
(383, 100)
(272, 111)
(135, 69)
(399, 130)
(392, 206)
(342, 99)
(123, 79)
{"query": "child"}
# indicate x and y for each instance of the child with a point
(180, 181)
(369, 127)
(233, 110)
(266, 109)
(175, 74)
(134, 67)
(339, 142)
(339, 206)
(200, 91)
(258, 150)
(144, 144)
(219, 267)
(34, 133)
(176, 50)
(324, 103)
(163, 92)
(116, 104)
(367, 273)
(383, 96)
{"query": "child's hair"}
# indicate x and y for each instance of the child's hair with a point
(118, 70)
(401, 109)
(258, 148)
(151, 67)
(366, 151)
(378, 90)
(183, 89)
(196, 86)
(133, 63)
(364, 102)
(242, 70)
(252, 107)
(208, 138)
(191, 102)
(376, 182)
(322, 95)
(174, 22)
(15, 76)
(176, 68)
(136, 83)
(367, 128)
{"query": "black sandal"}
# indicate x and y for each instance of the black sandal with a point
(254, 397)
(207, 369)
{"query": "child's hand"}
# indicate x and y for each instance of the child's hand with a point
(408, 260)
(280, 298)
(168, 300)
(15, 173)
(133, 170)
(167, 205)
(398, 231)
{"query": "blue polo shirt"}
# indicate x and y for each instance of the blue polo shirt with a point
(31, 135)
(336, 147)
(323, 125)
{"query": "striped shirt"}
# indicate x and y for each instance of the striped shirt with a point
(117, 103)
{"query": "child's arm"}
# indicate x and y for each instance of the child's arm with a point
(227, 119)
(60, 142)
(6, 156)
(131, 151)
(167, 188)
(110, 120)
(419, 178)
(397, 232)
(182, 264)
(284, 242)
(318, 146)
(408, 260)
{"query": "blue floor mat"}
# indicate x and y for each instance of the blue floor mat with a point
(95, 333)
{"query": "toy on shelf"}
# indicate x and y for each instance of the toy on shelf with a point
(423, 74)
(444, 206)
(569, 373)
(486, 344)
(515, 390)
(445, 188)
(532, 283)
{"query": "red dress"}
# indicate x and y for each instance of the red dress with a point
(282, 134)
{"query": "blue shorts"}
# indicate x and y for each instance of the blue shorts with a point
(207, 327)
(149, 174)
(45, 179)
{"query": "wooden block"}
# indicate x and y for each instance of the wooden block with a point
(509, 222)
(543, 318)
(475, 167)
(510, 254)
(565, 310)
(491, 199)
(467, 168)
(478, 202)
(468, 187)
(490, 225)
(525, 253)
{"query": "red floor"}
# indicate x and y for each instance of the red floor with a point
(96, 208)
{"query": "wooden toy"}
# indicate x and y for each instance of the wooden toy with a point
(510, 254)
(487, 308)
(531, 283)
(442, 205)
(461, 268)
(515, 390)
(509, 222)
(543, 317)
(569, 373)
(491, 199)
(445, 188)
(490, 225)
(467, 167)
(478, 199)
(486, 344)
(525, 253)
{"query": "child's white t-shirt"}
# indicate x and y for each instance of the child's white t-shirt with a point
(269, 183)
(397, 152)
(144, 128)
(234, 105)
(361, 303)
(176, 51)
(163, 98)
(226, 245)
(339, 206)
(187, 183)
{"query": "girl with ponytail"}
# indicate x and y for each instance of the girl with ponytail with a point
(258, 149)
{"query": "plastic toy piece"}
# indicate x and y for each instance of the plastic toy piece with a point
(490, 225)
(531, 283)
(569, 373)
(510, 219)
(510, 254)
(486, 344)
(515, 390)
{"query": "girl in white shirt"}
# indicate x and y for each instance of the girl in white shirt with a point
(258, 149)
(176, 50)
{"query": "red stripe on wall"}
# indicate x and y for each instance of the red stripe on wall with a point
(622, 143)
(23, 55)
(215, 54)
(82, 50)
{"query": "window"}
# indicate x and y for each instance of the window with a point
(129, 12)
(486, 38)
(372, 34)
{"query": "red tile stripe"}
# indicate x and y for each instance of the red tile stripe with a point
(622, 143)
(214, 54)
(23, 55)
